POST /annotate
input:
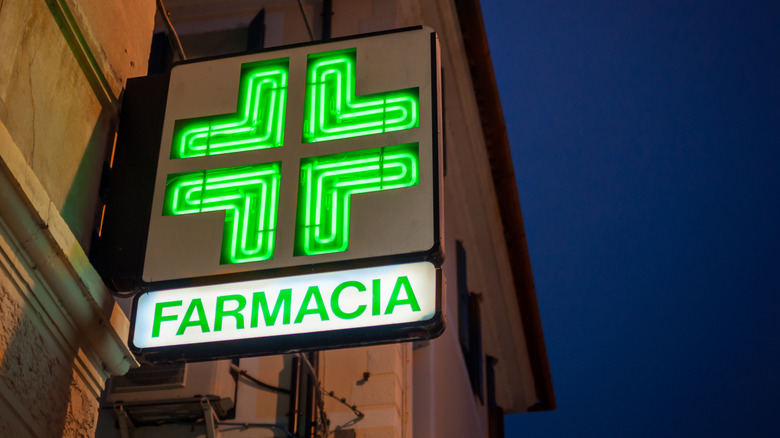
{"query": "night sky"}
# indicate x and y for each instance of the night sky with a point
(646, 145)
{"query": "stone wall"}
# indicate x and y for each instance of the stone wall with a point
(61, 333)
(47, 384)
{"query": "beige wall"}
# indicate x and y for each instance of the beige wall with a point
(59, 90)
(61, 334)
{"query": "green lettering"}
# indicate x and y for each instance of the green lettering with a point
(334, 300)
(375, 297)
(410, 298)
(236, 313)
(195, 306)
(159, 318)
(259, 301)
(313, 292)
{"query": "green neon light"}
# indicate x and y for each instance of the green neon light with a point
(249, 196)
(332, 111)
(258, 122)
(327, 183)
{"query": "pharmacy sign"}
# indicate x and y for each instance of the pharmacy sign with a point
(297, 193)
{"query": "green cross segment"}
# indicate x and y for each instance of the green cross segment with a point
(327, 182)
(333, 111)
(258, 122)
(249, 196)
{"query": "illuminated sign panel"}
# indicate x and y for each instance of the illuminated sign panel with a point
(309, 159)
(269, 308)
(315, 154)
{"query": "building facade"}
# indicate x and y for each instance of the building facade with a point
(63, 333)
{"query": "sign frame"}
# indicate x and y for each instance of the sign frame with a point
(293, 343)
(308, 264)
(333, 338)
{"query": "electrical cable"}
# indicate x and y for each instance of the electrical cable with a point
(172, 35)
(258, 382)
(322, 390)
(305, 20)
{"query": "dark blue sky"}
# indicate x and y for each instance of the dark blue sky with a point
(646, 143)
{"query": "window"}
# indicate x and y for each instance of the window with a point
(495, 412)
(469, 324)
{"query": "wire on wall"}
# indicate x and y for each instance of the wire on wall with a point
(323, 392)
(305, 20)
(172, 35)
(239, 372)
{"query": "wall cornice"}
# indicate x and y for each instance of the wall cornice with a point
(55, 275)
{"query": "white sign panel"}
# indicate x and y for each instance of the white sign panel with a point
(303, 156)
(259, 309)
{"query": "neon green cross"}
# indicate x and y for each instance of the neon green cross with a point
(258, 122)
(333, 111)
(328, 182)
(249, 194)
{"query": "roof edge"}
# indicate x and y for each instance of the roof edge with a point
(497, 144)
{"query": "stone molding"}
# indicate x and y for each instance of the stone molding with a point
(49, 269)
